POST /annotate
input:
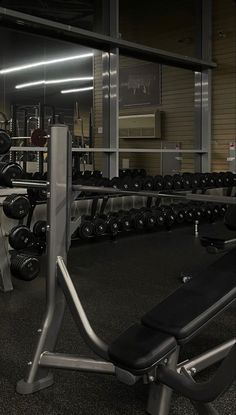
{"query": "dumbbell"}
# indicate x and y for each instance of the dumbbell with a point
(9, 172)
(168, 182)
(149, 218)
(228, 179)
(186, 179)
(147, 183)
(222, 210)
(158, 183)
(159, 216)
(211, 212)
(124, 172)
(86, 229)
(24, 267)
(210, 182)
(115, 182)
(137, 219)
(99, 226)
(37, 195)
(97, 173)
(188, 212)
(218, 179)
(139, 172)
(40, 229)
(21, 237)
(124, 221)
(16, 206)
(112, 224)
(169, 216)
(177, 182)
(178, 213)
(197, 212)
(5, 142)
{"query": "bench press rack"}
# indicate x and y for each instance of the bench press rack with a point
(60, 292)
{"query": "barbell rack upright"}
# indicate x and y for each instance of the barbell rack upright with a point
(59, 287)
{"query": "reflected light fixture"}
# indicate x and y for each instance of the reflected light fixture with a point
(46, 62)
(54, 81)
(68, 91)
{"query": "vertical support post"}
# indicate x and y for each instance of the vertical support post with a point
(159, 399)
(111, 94)
(203, 84)
(206, 84)
(58, 236)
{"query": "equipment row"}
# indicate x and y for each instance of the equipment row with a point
(147, 219)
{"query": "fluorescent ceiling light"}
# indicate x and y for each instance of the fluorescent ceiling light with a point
(54, 81)
(42, 63)
(68, 91)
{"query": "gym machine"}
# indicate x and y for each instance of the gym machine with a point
(140, 345)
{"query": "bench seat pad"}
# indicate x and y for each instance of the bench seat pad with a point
(195, 303)
(139, 348)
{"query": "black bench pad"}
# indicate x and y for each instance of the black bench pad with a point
(139, 348)
(195, 303)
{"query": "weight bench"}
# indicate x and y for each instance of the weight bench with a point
(151, 348)
(214, 244)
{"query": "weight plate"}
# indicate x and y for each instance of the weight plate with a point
(5, 142)
(16, 206)
(39, 137)
(20, 237)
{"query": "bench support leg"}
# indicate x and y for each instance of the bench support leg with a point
(159, 399)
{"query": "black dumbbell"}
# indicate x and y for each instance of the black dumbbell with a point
(40, 229)
(97, 173)
(177, 182)
(25, 267)
(218, 179)
(147, 183)
(168, 182)
(228, 179)
(211, 212)
(178, 213)
(158, 183)
(16, 206)
(124, 221)
(8, 172)
(139, 172)
(137, 219)
(99, 225)
(188, 212)
(86, 228)
(115, 182)
(112, 224)
(159, 216)
(222, 210)
(197, 212)
(21, 237)
(149, 218)
(125, 172)
(209, 178)
(5, 142)
(169, 216)
(186, 179)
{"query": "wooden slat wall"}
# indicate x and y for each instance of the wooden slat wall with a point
(224, 82)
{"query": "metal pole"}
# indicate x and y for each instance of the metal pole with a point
(58, 212)
(207, 359)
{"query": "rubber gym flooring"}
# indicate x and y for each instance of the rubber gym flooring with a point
(117, 283)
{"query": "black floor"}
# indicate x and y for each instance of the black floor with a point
(117, 283)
